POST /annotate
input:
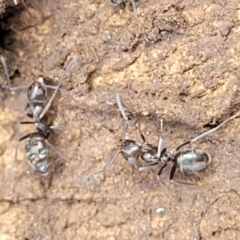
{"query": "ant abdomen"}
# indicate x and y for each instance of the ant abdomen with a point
(37, 153)
(192, 160)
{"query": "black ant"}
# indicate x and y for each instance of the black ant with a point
(37, 107)
(186, 160)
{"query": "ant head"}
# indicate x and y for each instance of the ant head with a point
(37, 92)
(131, 150)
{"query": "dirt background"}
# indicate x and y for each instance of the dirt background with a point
(179, 61)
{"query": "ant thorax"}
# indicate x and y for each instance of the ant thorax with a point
(149, 155)
(34, 111)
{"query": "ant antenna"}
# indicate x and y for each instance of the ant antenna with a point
(58, 153)
(134, 7)
(119, 103)
(84, 179)
(214, 129)
(70, 65)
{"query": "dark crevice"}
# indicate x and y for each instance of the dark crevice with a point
(10, 17)
(211, 125)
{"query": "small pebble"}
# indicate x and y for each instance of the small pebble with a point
(160, 210)
(225, 30)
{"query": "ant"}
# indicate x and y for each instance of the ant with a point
(37, 107)
(186, 160)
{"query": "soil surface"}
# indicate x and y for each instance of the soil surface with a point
(177, 61)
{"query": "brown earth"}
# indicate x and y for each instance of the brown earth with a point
(179, 61)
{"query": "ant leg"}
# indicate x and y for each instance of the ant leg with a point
(177, 182)
(148, 167)
(134, 7)
(26, 122)
(84, 179)
(160, 172)
(60, 128)
(58, 153)
(46, 108)
(214, 129)
(15, 155)
(143, 137)
(4, 63)
(119, 103)
(159, 147)
(174, 167)
(181, 145)
(15, 158)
